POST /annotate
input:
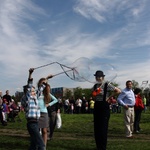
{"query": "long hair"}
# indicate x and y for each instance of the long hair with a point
(46, 91)
(40, 82)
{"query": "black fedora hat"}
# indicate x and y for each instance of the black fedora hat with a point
(99, 73)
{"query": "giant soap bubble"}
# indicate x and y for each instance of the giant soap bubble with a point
(108, 70)
(79, 70)
(83, 69)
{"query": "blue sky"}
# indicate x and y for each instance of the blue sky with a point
(37, 32)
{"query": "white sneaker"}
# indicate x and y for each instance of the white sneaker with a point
(128, 136)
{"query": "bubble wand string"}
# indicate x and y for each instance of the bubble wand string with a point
(44, 65)
(51, 64)
(62, 72)
(81, 66)
(74, 71)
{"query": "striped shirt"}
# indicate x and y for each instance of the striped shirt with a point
(110, 88)
(30, 103)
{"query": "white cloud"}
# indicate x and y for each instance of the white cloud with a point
(18, 42)
(105, 10)
(138, 72)
(31, 37)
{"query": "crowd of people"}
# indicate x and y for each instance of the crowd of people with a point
(80, 105)
(8, 108)
(83, 105)
(41, 109)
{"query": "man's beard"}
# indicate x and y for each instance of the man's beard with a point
(99, 82)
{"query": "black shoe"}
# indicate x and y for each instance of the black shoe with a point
(4, 123)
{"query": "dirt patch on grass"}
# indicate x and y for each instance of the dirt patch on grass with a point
(13, 132)
(74, 136)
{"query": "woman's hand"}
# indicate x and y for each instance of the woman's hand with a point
(47, 105)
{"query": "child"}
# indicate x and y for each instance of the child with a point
(32, 112)
(5, 112)
(45, 99)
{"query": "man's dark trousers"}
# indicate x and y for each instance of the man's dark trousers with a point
(101, 120)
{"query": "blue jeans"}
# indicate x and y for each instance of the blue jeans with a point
(37, 142)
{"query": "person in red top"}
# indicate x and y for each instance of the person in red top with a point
(139, 106)
(113, 104)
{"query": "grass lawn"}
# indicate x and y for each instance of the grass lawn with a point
(77, 134)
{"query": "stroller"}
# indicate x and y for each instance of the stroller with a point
(13, 112)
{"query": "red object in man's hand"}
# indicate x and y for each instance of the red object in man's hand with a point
(96, 92)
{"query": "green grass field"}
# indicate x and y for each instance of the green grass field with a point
(77, 134)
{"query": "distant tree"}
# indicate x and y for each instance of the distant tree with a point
(68, 93)
(115, 84)
(18, 96)
(13, 97)
(78, 93)
(135, 84)
(87, 93)
(146, 92)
